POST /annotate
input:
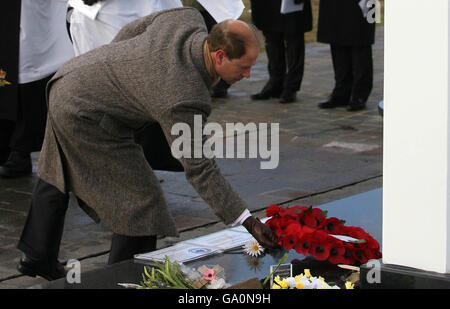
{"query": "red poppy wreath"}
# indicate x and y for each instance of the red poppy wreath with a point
(307, 230)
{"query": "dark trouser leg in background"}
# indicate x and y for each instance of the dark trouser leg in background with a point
(362, 73)
(295, 63)
(343, 75)
(125, 247)
(42, 233)
(6, 130)
(276, 66)
(29, 129)
(276, 59)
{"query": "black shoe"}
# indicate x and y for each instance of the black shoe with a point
(49, 271)
(332, 103)
(288, 97)
(356, 105)
(17, 165)
(266, 94)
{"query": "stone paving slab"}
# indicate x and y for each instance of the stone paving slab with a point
(324, 154)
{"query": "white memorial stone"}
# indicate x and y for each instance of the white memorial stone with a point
(416, 167)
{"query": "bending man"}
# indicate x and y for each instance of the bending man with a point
(157, 70)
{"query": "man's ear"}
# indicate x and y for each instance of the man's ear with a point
(220, 56)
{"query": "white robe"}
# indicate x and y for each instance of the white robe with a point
(94, 26)
(44, 41)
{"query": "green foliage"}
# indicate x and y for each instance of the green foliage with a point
(165, 276)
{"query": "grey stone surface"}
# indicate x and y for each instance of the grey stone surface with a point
(324, 155)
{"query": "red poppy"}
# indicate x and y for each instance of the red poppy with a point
(337, 251)
(288, 212)
(272, 210)
(288, 242)
(321, 251)
(319, 236)
(313, 218)
(299, 209)
(303, 246)
(304, 242)
(292, 232)
(372, 243)
(348, 258)
(353, 231)
(279, 225)
(359, 255)
(333, 225)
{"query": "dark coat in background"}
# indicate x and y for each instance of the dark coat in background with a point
(9, 59)
(290, 24)
(342, 23)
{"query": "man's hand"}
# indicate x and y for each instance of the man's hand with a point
(262, 233)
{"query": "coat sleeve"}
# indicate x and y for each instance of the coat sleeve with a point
(202, 173)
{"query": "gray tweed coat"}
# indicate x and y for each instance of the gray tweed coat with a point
(153, 71)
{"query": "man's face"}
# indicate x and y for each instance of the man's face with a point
(233, 70)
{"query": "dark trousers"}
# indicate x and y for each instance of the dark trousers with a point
(27, 133)
(286, 57)
(42, 233)
(353, 71)
(6, 130)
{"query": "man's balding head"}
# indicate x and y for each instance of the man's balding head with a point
(233, 48)
(235, 37)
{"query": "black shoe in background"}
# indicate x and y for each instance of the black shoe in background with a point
(17, 165)
(356, 105)
(332, 103)
(49, 271)
(288, 97)
(266, 94)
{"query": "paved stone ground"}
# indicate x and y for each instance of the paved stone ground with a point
(324, 155)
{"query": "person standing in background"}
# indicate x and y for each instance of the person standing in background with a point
(343, 25)
(9, 71)
(44, 46)
(285, 46)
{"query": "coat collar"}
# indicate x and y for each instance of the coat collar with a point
(198, 59)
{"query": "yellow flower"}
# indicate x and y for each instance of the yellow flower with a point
(323, 287)
(276, 287)
(321, 278)
(277, 280)
(281, 282)
(299, 286)
(307, 273)
(349, 285)
(298, 277)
